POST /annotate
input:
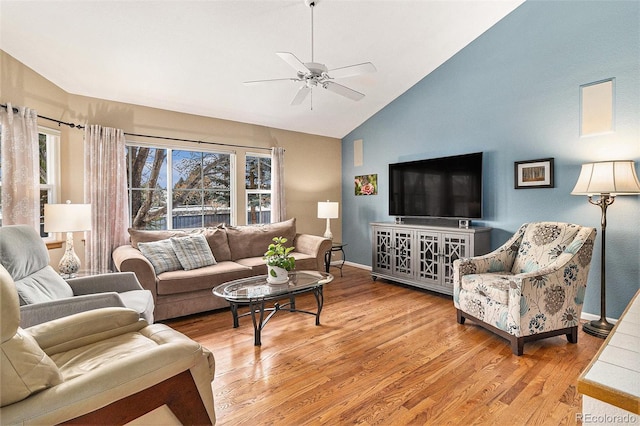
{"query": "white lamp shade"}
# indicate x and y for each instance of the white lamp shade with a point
(328, 210)
(607, 177)
(67, 217)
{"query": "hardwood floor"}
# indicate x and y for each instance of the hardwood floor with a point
(385, 354)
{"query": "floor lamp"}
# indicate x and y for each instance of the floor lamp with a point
(607, 179)
(328, 210)
(68, 218)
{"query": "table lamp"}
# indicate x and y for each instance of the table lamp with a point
(328, 210)
(68, 218)
(606, 179)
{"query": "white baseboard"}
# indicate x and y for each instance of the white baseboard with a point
(358, 265)
(584, 316)
(590, 317)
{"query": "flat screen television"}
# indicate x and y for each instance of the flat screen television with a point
(447, 187)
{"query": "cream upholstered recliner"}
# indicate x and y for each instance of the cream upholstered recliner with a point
(530, 288)
(104, 366)
(45, 296)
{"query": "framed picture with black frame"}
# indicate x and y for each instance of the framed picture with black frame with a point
(533, 174)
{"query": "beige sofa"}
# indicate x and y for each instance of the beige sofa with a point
(238, 254)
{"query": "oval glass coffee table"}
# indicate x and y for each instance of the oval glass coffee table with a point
(255, 292)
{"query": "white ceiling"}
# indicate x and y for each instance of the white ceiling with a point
(192, 56)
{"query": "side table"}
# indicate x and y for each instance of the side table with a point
(335, 246)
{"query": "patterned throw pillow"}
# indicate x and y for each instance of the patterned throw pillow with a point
(161, 255)
(193, 251)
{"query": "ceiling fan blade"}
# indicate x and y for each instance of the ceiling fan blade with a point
(294, 62)
(352, 70)
(342, 90)
(248, 83)
(301, 95)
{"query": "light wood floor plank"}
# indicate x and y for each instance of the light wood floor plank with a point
(385, 354)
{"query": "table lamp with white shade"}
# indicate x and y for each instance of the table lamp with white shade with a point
(328, 210)
(607, 179)
(68, 218)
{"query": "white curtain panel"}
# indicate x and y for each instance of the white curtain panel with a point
(278, 204)
(105, 188)
(20, 167)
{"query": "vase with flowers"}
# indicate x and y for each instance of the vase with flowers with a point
(279, 261)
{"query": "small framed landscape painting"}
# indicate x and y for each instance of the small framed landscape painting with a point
(534, 173)
(366, 184)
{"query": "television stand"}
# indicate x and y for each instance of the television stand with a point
(422, 255)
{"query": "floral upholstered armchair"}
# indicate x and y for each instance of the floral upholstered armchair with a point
(530, 288)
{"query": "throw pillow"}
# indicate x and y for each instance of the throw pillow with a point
(193, 251)
(145, 236)
(253, 240)
(161, 255)
(217, 239)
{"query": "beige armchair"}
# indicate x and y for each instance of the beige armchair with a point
(530, 288)
(104, 366)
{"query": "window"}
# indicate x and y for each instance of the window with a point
(49, 143)
(258, 188)
(176, 188)
(49, 160)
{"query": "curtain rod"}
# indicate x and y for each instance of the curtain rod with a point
(72, 125)
(78, 126)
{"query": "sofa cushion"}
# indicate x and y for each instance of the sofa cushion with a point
(161, 255)
(253, 241)
(206, 278)
(256, 264)
(144, 236)
(494, 286)
(305, 262)
(192, 251)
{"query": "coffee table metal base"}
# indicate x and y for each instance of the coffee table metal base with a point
(257, 310)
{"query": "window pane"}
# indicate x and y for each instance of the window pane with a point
(258, 208)
(265, 173)
(147, 172)
(152, 210)
(187, 209)
(42, 143)
(186, 169)
(251, 173)
(147, 167)
(217, 207)
(258, 173)
(44, 199)
(217, 170)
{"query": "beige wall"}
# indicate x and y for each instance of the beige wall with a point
(312, 163)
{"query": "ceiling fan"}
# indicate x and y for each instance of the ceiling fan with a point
(314, 74)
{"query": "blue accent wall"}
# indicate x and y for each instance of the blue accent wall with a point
(514, 93)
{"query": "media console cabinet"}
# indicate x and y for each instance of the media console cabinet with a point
(423, 255)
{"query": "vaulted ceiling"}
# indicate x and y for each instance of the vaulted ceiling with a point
(193, 56)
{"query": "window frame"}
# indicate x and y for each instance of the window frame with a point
(169, 176)
(53, 174)
(258, 191)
